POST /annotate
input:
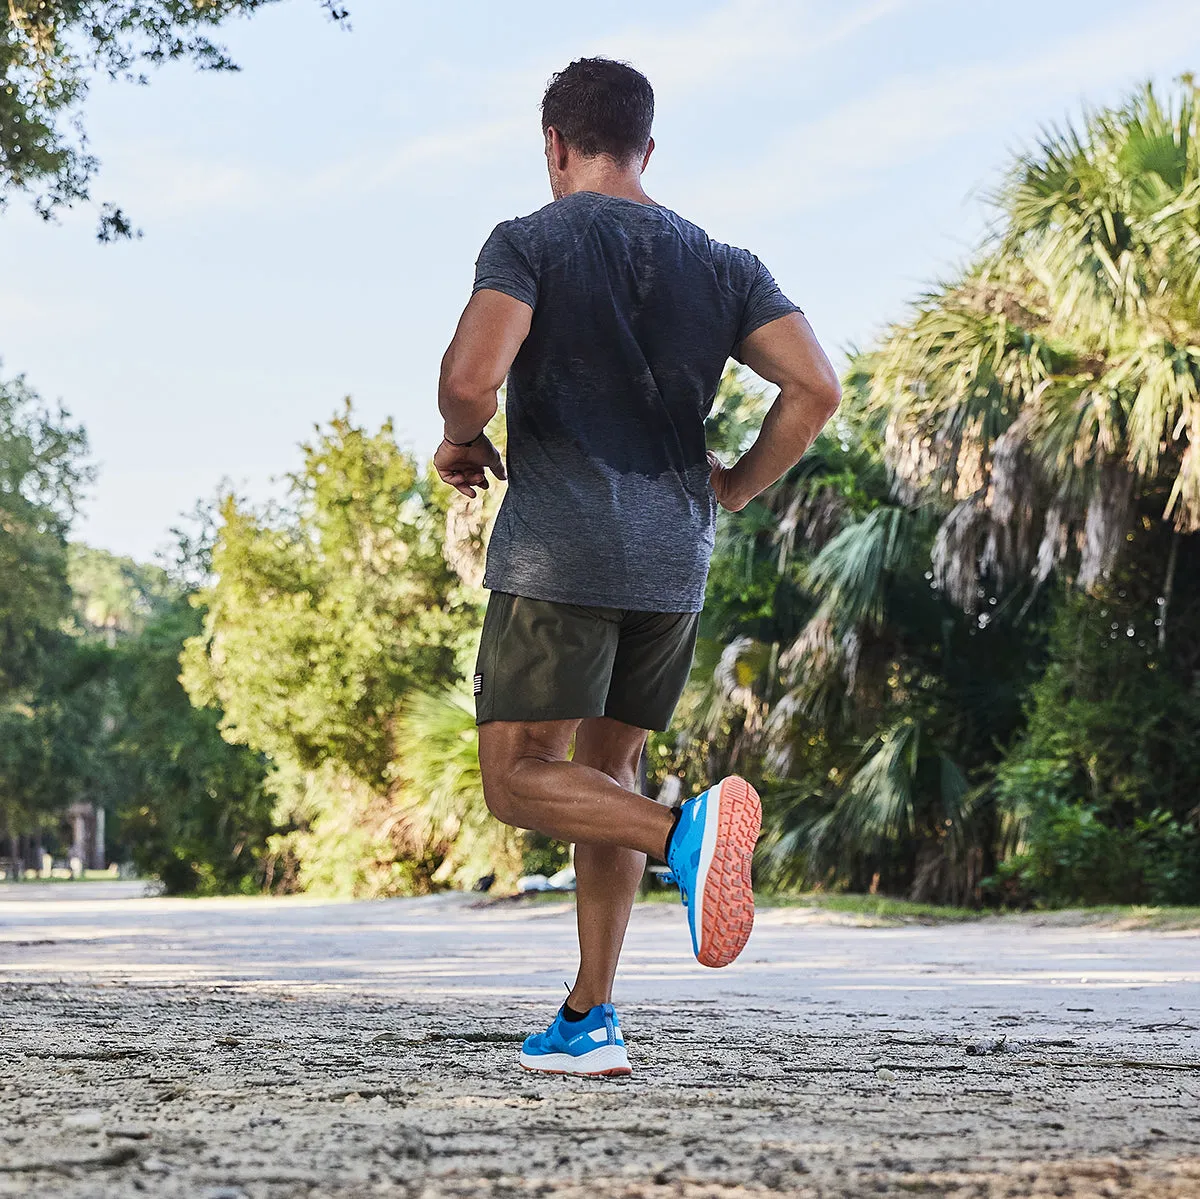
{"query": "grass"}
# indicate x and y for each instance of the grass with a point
(877, 907)
(884, 910)
(1127, 915)
(870, 907)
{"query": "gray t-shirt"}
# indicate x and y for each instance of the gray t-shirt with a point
(635, 313)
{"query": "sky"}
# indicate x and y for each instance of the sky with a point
(311, 222)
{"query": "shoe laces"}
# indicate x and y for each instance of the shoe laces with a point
(672, 880)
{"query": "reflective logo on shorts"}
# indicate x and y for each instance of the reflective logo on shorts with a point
(478, 688)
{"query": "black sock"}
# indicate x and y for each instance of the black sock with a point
(675, 814)
(570, 1014)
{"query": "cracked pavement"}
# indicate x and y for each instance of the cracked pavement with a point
(269, 1048)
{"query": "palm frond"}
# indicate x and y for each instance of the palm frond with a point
(441, 789)
(878, 802)
(848, 576)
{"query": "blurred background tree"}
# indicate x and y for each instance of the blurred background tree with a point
(43, 470)
(336, 634)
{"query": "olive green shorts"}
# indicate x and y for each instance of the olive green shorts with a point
(544, 661)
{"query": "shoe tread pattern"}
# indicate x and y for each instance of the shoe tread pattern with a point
(728, 916)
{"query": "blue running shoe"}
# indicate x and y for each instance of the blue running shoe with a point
(593, 1045)
(709, 857)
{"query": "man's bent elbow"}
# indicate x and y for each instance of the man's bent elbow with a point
(459, 385)
(812, 398)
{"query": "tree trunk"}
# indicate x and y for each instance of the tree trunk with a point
(13, 849)
(1168, 588)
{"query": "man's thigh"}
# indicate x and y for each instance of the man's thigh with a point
(541, 661)
(505, 744)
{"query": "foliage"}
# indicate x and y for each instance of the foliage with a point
(1102, 788)
(1047, 397)
(326, 622)
(341, 838)
(1075, 857)
(91, 709)
(194, 811)
(113, 596)
(870, 706)
(1034, 418)
(442, 791)
(55, 744)
(43, 471)
(876, 619)
(49, 52)
(323, 614)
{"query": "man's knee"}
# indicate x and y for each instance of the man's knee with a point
(502, 790)
(621, 773)
(498, 796)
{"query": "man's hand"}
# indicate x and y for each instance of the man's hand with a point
(722, 485)
(463, 467)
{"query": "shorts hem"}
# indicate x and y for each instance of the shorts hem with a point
(535, 717)
(654, 725)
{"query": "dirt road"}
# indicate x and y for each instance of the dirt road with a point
(257, 1049)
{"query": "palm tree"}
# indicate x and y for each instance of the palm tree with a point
(1050, 398)
(832, 670)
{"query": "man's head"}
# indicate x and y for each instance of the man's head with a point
(596, 109)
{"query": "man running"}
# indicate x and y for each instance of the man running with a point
(612, 319)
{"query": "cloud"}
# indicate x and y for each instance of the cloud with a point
(743, 34)
(735, 37)
(413, 160)
(163, 179)
(740, 35)
(910, 118)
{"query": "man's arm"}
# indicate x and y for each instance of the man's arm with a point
(489, 334)
(784, 352)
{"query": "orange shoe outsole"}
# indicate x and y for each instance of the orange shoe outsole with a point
(727, 923)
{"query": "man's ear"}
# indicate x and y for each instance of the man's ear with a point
(556, 149)
(649, 151)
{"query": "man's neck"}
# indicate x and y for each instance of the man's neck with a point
(624, 185)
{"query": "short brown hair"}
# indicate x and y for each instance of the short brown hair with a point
(600, 106)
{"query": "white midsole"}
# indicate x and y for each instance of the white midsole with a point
(708, 846)
(595, 1061)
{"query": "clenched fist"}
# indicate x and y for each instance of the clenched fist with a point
(463, 467)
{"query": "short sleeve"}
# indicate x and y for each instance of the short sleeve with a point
(764, 303)
(504, 266)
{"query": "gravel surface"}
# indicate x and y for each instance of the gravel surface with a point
(262, 1049)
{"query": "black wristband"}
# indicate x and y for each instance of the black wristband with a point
(462, 445)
